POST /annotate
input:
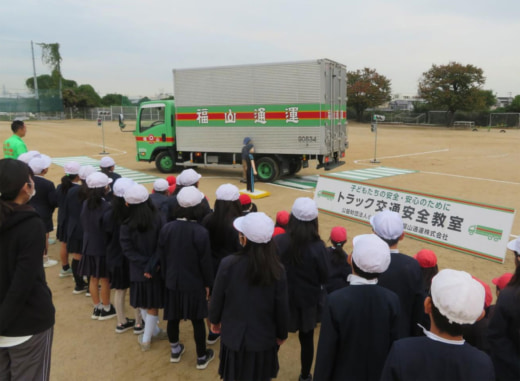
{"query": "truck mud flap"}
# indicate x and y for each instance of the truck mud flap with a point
(329, 166)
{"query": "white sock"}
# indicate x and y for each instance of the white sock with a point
(144, 314)
(138, 317)
(149, 327)
(119, 304)
(106, 308)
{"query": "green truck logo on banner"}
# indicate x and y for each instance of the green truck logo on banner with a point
(490, 233)
(326, 194)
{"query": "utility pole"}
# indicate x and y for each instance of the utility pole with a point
(35, 81)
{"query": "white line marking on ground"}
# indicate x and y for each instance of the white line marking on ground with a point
(404, 155)
(471, 178)
(106, 147)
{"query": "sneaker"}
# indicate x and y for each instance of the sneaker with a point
(87, 294)
(309, 378)
(47, 262)
(212, 338)
(105, 315)
(120, 328)
(144, 346)
(65, 273)
(138, 329)
(51, 241)
(176, 357)
(95, 313)
(203, 363)
(80, 289)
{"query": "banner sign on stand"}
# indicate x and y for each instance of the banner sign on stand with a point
(468, 227)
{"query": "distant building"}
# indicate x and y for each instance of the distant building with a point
(504, 101)
(404, 102)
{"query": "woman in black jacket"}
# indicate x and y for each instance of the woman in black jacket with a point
(26, 309)
(249, 304)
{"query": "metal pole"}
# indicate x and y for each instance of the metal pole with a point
(35, 81)
(375, 161)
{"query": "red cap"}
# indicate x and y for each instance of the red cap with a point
(489, 295)
(426, 258)
(278, 230)
(502, 281)
(244, 199)
(171, 188)
(172, 180)
(338, 234)
(282, 217)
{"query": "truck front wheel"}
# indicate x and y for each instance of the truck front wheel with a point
(164, 162)
(267, 169)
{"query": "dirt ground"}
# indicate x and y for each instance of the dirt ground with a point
(477, 166)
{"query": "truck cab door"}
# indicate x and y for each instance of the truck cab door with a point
(155, 129)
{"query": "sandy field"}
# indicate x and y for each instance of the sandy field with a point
(476, 166)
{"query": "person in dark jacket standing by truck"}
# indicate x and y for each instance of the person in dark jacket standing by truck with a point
(246, 149)
(26, 308)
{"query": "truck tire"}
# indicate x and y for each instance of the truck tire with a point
(295, 166)
(164, 162)
(267, 169)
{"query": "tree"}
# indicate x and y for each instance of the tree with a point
(452, 87)
(365, 89)
(87, 96)
(115, 100)
(515, 105)
(47, 82)
(145, 99)
(51, 56)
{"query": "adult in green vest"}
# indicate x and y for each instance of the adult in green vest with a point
(15, 146)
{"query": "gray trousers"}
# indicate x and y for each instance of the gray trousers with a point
(28, 361)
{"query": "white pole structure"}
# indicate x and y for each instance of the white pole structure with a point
(374, 129)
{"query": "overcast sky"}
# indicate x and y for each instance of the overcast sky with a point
(131, 46)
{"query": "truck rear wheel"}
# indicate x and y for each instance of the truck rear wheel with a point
(164, 162)
(267, 169)
(295, 166)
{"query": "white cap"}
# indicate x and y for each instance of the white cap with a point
(160, 185)
(189, 196)
(514, 245)
(40, 163)
(256, 226)
(98, 180)
(227, 192)
(304, 209)
(121, 185)
(106, 162)
(387, 224)
(458, 296)
(370, 253)
(85, 170)
(72, 168)
(136, 194)
(27, 156)
(188, 177)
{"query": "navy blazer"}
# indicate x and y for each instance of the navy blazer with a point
(72, 209)
(252, 317)
(93, 235)
(185, 256)
(44, 201)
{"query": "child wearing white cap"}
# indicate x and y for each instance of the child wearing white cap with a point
(303, 255)
(138, 236)
(223, 236)
(404, 276)
(44, 199)
(249, 304)
(504, 326)
(117, 263)
(456, 299)
(159, 196)
(93, 262)
(107, 165)
(184, 253)
(69, 180)
(360, 322)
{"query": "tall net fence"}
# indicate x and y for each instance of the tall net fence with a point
(504, 119)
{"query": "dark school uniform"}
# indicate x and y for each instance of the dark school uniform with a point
(72, 209)
(359, 325)
(404, 277)
(44, 201)
(185, 257)
(139, 248)
(304, 282)
(252, 318)
(93, 260)
(61, 229)
(172, 204)
(504, 334)
(117, 263)
(476, 334)
(422, 358)
(160, 200)
(338, 271)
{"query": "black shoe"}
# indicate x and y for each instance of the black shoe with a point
(105, 315)
(95, 313)
(138, 329)
(212, 338)
(176, 357)
(203, 363)
(80, 290)
(309, 378)
(120, 328)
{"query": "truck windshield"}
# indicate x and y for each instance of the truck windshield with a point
(150, 117)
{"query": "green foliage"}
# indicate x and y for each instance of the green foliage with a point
(365, 89)
(115, 100)
(47, 82)
(515, 105)
(145, 99)
(453, 87)
(486, 101)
